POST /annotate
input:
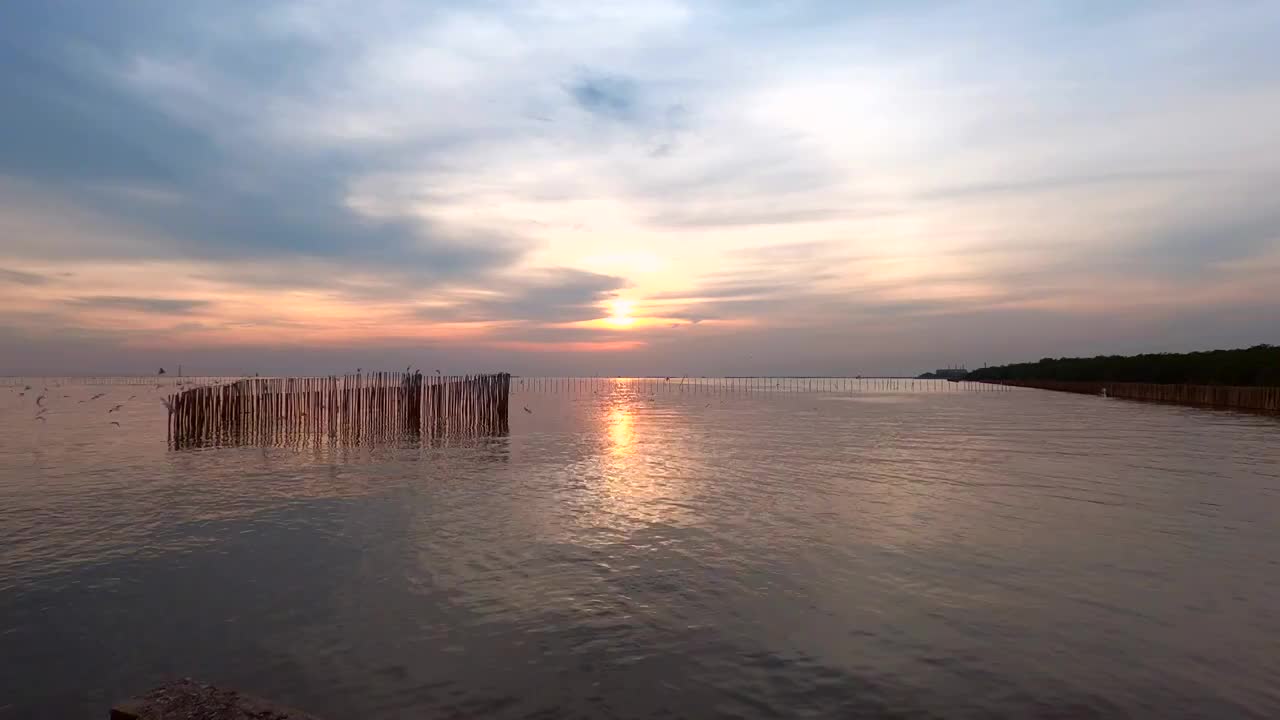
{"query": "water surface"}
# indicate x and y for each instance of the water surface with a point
(627, 552)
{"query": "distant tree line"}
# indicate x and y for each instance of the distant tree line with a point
(1257, 366)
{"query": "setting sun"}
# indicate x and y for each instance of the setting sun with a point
(621, 316)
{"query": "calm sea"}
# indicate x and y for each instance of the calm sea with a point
(631, 553)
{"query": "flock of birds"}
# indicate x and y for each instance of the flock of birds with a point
(44, 394)
(43, 397)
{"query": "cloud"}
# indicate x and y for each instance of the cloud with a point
(167, 306)
(17, 277)
(551, 296)
(609, 96)
(1054, 184)
(121, 127)
(731, 217)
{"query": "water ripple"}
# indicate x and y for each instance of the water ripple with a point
(646, 553)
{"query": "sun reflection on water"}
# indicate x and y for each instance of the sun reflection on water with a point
(621, 431)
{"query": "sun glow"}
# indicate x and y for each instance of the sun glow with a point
(621, 316)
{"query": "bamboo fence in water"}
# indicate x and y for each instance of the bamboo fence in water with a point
(351, 409)
(1218, 396)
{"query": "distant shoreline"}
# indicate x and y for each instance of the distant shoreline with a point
(1253, 367)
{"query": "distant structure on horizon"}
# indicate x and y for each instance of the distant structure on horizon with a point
(952, 373)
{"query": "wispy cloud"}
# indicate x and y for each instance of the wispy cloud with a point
(550, 296)
(168, 306)
(17, 277)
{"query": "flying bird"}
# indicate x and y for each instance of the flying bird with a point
(95, 397)
(117, 407)
(528, 410)
(131, 397)
(161, 371)
(437, 371)
(39, 417)
(40, 401)
(113, 422)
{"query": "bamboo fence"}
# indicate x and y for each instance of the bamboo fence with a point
(356, 409)
(1217, 396)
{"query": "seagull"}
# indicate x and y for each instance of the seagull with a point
(40, 401)
(95, 397)
(113, 422)
(437, 371)
(26, 388)
(42, 411)
(38, 417)
(117, 407)
(161, 371)
(528, 410)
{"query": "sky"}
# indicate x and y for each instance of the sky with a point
(658, 187)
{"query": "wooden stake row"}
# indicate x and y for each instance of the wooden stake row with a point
(352, 409)
(1218, 396)
(723, 385)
